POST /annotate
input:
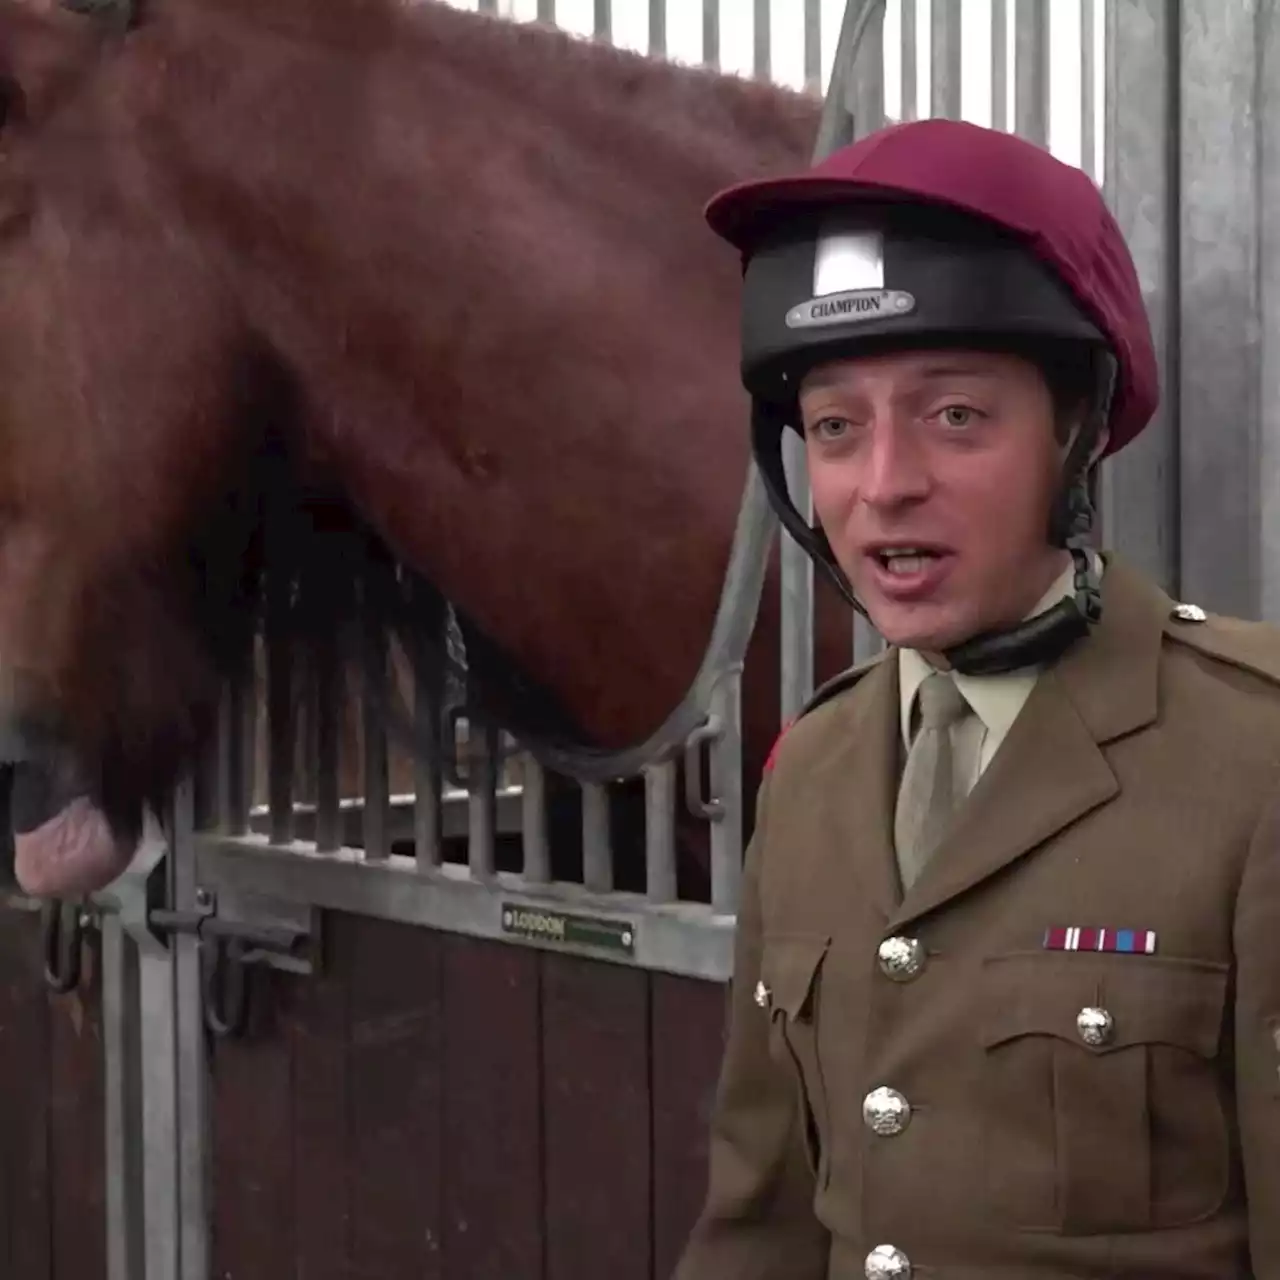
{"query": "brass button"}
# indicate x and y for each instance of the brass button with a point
(762, 995)
(884, 1262)
(886, 1112)
(1096, 1026)
(901, 959)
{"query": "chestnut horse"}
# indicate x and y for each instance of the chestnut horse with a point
(287, 288)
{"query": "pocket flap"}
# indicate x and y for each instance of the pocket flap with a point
(789, 967)
(1151, 999)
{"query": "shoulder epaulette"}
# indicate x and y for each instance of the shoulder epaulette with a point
(829, 689)
(1248, 646)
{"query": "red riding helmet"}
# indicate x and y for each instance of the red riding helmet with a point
(922, 185)
(943, 233)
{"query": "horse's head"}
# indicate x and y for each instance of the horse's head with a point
(122, 406)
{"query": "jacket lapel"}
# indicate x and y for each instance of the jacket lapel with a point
(1051, 769)
(853, 791)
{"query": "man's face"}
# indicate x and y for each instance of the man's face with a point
(933, 474)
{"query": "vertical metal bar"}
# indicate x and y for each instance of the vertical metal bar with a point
(1140, 488)
(910, 51)
(533, 823)
(233, 777)
(945, 55)
(280, 738)
(191, 1065)
(660, 831)
(482, 804)
(864, 95)
(546, 10)
(597, 838)
(1031, 71)
(658, 28)
(1000, 63)
(603, 19)
(1267, 121)
(158, 1054)
(726, 787)
(813, 46)
(488, 6)
(328, 694)
(1223, 342)
(428, 778)
(1088, 90)
(711, 33)
(122, 1102)
(762, 39)
(377, 785)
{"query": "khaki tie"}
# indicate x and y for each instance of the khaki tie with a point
(930, 788)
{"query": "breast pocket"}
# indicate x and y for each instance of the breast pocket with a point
(791, 970)
(1104, 1108)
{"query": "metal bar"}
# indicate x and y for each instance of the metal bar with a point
(684, 938)
(910, 51)
(603, 20)
(122, 1102)
(280, 737)
(762, 39)
(1140, 487)
(1267, 121)
(428, 770)
(158, 1056)
(945, 56)
(1223, 344)
(190, 1065)
(711, 33)
(658, 28)
(864, 95)
(233, 777)
(1031, 71)
(597, 838)
(813, 46)
(482, 750)
(546, 10)
(377, 782)
(533, 828)
(488, 6)
(660, 831)
(1000, 63)
(726, 788)
(329, 698)
(1088, 90)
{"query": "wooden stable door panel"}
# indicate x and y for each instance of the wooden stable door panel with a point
(52, 1211)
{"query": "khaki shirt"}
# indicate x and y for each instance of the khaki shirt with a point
(933, 1084)
(996, 700)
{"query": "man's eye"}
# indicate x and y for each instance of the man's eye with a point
(829, 428)
(958, 415)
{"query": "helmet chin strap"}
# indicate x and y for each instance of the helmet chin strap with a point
(1036, 640)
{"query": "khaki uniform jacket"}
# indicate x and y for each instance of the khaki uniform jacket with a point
(926, 1080)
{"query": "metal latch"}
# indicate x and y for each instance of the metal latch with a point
(228, 947)
(233, 934)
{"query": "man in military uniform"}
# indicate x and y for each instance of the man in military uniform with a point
(1006, 998)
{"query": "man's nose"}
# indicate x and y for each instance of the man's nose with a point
(896, 468)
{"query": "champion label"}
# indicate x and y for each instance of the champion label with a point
(1073, 938)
